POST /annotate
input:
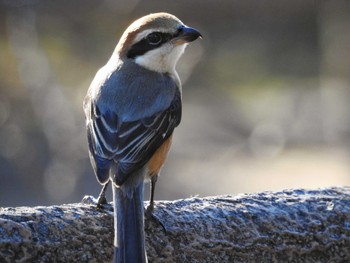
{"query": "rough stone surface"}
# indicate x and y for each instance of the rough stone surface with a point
(287, 226)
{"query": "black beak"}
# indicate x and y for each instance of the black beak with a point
(188, 34)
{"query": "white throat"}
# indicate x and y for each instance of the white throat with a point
(162, 59)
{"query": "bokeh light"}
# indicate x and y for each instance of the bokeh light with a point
(265, 96)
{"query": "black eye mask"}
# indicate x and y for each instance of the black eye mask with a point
(151, 41)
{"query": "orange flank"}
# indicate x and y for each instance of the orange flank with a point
(156, 162)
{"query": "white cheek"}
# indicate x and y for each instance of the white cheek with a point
(162, 59)
(175, 54)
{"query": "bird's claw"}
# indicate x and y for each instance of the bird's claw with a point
(99, 202)
(149, 213)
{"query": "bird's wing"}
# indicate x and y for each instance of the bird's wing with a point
(128, 145)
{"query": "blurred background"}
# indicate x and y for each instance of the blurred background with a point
(266, 96)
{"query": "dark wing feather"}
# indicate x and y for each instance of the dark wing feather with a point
(127, 146)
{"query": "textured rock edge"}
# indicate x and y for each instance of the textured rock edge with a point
(288, 226)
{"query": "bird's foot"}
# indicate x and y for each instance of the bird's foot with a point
(149, 210)
(149, 214)
(98, 202)
(101, 201)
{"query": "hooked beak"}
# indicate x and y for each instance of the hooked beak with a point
(187, 34)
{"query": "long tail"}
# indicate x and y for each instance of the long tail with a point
(129, 240)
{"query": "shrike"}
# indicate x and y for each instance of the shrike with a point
(132, 108)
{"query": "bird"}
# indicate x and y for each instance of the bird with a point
(132, 107)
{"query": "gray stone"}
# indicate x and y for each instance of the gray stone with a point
(287, 226)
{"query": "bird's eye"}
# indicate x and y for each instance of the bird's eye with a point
(154, 38)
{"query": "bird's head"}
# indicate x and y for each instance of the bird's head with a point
(156, 41)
